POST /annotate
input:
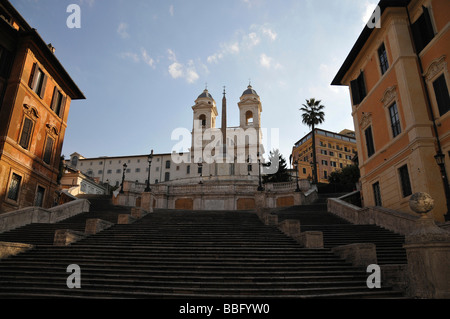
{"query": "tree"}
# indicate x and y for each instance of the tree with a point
(347, 178)
(313, 115)
(282, 175)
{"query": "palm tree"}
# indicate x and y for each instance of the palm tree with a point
(313, 115)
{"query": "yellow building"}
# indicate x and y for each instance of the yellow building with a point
(334, 151)
(399, 82)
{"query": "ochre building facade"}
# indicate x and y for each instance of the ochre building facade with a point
(35, 97)
(399, 82)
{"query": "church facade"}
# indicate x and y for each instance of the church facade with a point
(217, 153)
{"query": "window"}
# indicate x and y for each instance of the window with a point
(48, 151)
(202, 119)
(442, 96)
(422, 30)
(14, 187)
(138, 170)
(74, 161)
(188, 169)
(249, 118)
(325, 174)
(405, 181)
(382, 55)
(39, 200)
(377, 194)
(167, 177)
(109, 171)
(27, 131)
(395, 120)
(325, 163)
(200, 170)
(167, 164)
(58, 102)
(38, 81)
(331, 153)
(118, 171)
(128, 170)
(100, 172)
(369, 141)
(333, 164)
(249, 168)
(358, 88)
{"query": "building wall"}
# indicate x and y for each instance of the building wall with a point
(402, 84)
(36, 168)
(330, 148)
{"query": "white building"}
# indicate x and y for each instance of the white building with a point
(207, 159)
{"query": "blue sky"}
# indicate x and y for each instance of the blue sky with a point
(142, 63)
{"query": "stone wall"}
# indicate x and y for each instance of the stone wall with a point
(32, 215)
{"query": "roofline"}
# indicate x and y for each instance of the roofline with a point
(120, 157)
(362, 39)
(319, 129)
(76, 93)
(26, 30)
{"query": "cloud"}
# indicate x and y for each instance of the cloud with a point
(147, 59)
(272, 35)
(268, 62)
(246, 41)
(137, 58)
(178, 70)
(130, 55)
(122, 30)
(171, 10)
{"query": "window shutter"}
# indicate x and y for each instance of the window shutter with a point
(54, 98)
(48, 150)
(442, 95)
(44, 84)
(355, 92)
(33, 78)
(26, 133)
(428, 24)
(63, 106)
(362, 87)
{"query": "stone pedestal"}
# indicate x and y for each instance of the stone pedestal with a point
(270, 220)
(147, 202)
(311, 239)
(428, 253)
(290, 227)
(65, 237)
(125, 219)
(95, 225)
(13, 249)
(361, 255)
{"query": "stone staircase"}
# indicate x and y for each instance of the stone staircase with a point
(338, 232)
(179, 254)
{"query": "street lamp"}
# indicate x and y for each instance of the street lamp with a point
(260, 187)
(123, 177)
(296, 175)
(150, 158)
(440, 160)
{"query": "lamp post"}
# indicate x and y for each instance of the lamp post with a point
(150, 158)
(260, 187)
(296, 176)
(440, 160)
(123, 178)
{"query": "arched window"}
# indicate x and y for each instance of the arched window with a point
(202, 118)
(249, 118)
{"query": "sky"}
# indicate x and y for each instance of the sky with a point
(142, 64)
